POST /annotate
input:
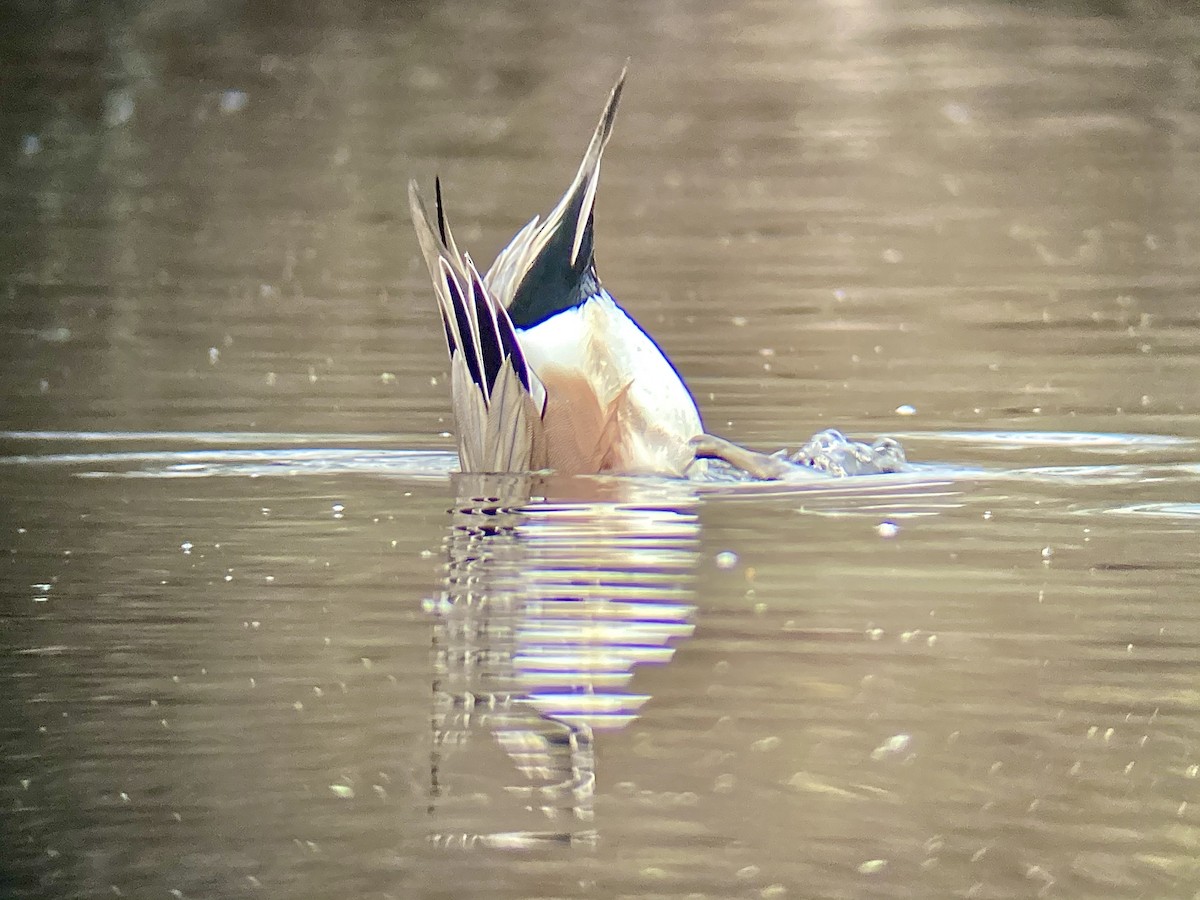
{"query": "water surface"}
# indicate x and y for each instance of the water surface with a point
(258, 640)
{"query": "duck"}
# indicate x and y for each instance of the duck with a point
(547, 370)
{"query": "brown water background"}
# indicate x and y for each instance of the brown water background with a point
(256, 642)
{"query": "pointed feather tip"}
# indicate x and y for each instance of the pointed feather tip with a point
(614, 100)
(441, 209)
(416, 203)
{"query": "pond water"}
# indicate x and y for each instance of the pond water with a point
(258, 641)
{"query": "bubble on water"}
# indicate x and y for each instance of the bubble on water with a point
(872, 866)
(1047, 552)
(906, 410)
(726, 559)
(118, 108)
(887, 529)
(234, 101)
(186, 546)
(957, 113)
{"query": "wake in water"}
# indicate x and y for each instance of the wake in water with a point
(827, 454)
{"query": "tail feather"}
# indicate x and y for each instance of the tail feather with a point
(498, 400)
(549, 265)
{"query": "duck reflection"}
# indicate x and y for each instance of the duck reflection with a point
(547, 609)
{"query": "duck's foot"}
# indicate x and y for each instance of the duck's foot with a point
(826, 453)
(757, 465)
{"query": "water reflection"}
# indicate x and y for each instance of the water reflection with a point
(548, 606)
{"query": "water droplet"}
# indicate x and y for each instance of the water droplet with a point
(234, 101)
(957, 113)
(118, 108)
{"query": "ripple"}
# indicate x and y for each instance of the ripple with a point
(1078, 440)
(1157, 510)
(430, 464)
(197, 437)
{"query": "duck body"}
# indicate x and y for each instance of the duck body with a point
(547, 371)
(614, 402)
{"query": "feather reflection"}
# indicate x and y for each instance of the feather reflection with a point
(548, 607)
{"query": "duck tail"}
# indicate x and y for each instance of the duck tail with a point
(550, 267)
(498, 400)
